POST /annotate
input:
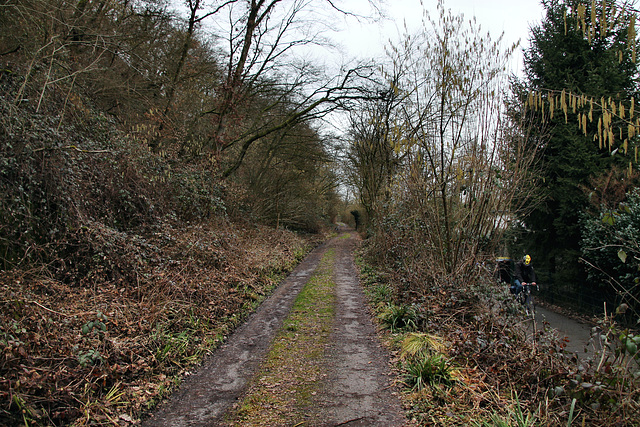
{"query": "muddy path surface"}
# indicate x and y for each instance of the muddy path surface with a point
(357, 387)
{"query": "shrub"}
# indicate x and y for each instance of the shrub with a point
(379, 293)
(396, 317)
(427, 369)
(610, 246)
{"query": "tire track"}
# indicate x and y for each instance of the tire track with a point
(204, 397)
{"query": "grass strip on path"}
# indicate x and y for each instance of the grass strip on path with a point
(283, 389)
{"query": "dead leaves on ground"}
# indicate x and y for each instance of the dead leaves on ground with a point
(99, 343)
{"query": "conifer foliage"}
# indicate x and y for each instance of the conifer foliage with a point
(579, 87)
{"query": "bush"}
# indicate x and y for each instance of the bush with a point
(379, 292)
(397, 317)
(428, 370)
(610, 247)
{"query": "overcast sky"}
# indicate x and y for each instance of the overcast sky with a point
(513, 17)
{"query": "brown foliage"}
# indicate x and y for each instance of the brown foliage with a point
(499, 363)
(120, 268)
(611, 188)
(111, 344)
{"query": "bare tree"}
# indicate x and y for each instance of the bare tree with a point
(289, 178)
(372, 156)
(264, 71)
(197, 14)
(460, 179)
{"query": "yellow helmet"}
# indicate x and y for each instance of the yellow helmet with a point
(527, 259)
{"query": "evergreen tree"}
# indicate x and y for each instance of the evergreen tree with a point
(561, 57)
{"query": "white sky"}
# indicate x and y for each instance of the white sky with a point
(513, 17)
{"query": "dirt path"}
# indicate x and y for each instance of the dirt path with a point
(357, 390)
(356, 387)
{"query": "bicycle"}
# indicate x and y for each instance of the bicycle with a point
(525, 298)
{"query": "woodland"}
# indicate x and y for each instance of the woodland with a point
(164, 165)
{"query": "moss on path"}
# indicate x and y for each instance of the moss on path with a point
(282, 391)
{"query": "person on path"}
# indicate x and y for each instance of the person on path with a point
(524, 274)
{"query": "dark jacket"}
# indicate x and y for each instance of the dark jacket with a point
(525, 273)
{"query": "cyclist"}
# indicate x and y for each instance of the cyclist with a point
(524, 274)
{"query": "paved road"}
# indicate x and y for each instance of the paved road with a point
(578, 334)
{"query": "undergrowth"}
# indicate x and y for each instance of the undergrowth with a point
(121, 268)
(467, 357)
(68, 351)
